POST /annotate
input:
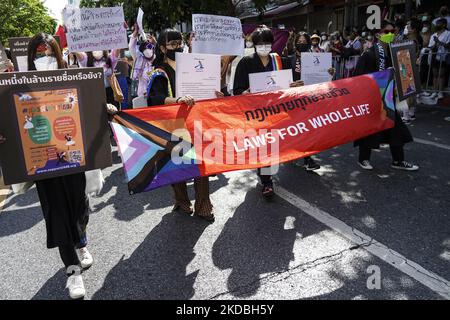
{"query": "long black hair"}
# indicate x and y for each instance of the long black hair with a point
(166, 36)
(90, 59)
(44, 39)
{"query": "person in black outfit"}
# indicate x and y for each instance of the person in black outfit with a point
(260, 61)
(376, 59)
(162, 90)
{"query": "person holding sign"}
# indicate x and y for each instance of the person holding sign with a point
(261, 61)
(162, 90)
(63, 200)
(143, 55)
(101, 59)
(376, 59)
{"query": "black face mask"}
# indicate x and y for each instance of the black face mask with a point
(302, 47)
(170, 54)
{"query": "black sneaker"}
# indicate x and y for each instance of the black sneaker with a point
(267, 191)
(311, 165)
(404, 166)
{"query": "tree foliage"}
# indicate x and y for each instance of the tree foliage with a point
(161, 14)
(24, 18)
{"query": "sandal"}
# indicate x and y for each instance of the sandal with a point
(178, 208)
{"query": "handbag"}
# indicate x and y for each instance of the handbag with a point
(118, 95)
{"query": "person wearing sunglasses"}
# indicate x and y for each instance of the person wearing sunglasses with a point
(376, 59)
(143, 55)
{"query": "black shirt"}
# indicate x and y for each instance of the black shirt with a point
(252, 64)
(159, 90)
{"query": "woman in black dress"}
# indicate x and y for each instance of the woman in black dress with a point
(63, 200)
(261, 61)
(376, 59)
(162, 90)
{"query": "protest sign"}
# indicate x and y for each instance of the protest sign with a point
(217, 35)
(198, 75)
(55, 123)
(95, 29)
(270, 81)
(315, 67)
(19, 52)
(406, 72)
(168, 144)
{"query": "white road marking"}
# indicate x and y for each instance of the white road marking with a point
(431, 143)
(429, 279)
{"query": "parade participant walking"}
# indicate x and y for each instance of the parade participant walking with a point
(63, 200)
(377, 59)
(162, 90)
(261, 61)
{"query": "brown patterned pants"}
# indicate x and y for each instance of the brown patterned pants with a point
(203, 206)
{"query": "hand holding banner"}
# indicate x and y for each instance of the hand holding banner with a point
(168, 144)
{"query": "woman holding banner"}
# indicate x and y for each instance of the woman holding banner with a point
(63, 200)
(376, 59)
(161, 90)
(261, 61)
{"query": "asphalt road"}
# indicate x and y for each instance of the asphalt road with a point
(257, 249)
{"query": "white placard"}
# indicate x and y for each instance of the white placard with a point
(270, 81)
(22, 63)
(198, 75)
(220, 35)
(315, 67)
(92, 29)
(139, 20)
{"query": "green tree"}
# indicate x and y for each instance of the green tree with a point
(24, 18)
(161, 14)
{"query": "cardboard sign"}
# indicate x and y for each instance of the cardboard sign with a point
(55, 123)
(217, 35)
(95, 29)
(406, 72)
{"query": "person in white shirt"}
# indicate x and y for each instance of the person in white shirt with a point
(440, 46)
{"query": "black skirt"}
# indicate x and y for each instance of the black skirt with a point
(66, 209)
(396, 136)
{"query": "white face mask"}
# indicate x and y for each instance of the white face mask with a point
(148, 53)
(46, 63)
(263, 50)
(249, 44)
(98, 55)
(425, 29)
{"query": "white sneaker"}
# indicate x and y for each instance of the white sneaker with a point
(76, 286)
(365, 165)
(440, 95)
(86, 259)
(434, 95)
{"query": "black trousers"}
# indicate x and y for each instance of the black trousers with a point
(396, 152)
(69, 256)
(265, 179)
